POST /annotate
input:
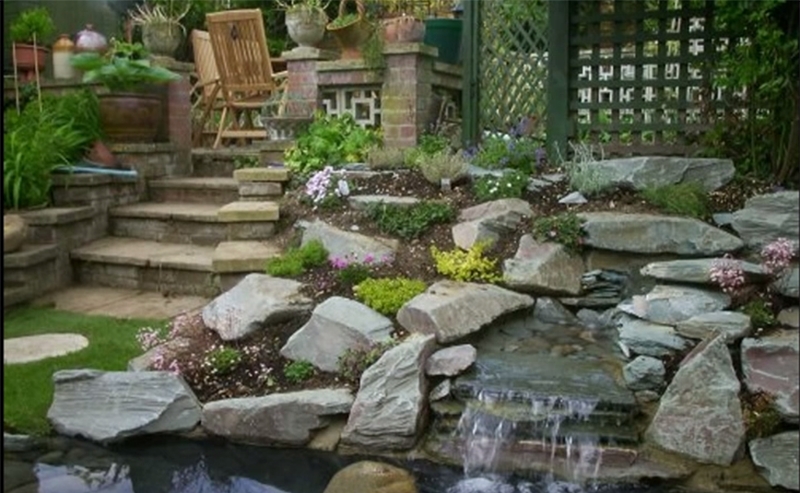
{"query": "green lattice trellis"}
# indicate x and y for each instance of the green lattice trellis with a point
(512, 63)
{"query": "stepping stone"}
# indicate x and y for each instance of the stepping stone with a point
(361, 202)
(34, 348)
(261, 174)
(243, 256)
(248, 212)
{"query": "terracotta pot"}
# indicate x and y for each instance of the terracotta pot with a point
(100, 155)
(162, 38)
(306, 27)
(352, 36)
(28, 59)
(130, 117)
(405, 29)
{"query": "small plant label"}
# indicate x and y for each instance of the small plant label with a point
(344, 188)
(446, 187)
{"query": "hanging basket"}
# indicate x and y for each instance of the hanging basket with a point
(353, 35)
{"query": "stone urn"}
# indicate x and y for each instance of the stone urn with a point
(14, 232)
(162, 38)
(306, 25)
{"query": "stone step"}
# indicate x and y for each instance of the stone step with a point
(249, 211)
(169, 268)
(220, 162)
(195, 190)
(178, 222)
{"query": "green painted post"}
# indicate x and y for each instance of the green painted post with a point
(558, 78)
(470, 87)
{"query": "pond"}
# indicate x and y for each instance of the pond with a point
(177, 465)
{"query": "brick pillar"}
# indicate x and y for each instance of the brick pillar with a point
(301, 65)
(178, 113)
(406, 94)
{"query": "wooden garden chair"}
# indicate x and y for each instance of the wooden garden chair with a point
(206, 89)
(239, 42)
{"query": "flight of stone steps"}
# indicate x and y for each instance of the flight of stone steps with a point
(196, 235)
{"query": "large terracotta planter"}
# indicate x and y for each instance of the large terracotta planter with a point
(162, 38)
(352, 37)
(306, 27)
(405, 29)
(28, 59)
(130, 117)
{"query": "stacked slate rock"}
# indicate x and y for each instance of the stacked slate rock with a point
(603, 287)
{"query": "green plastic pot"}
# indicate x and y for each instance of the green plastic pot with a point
(445, 34)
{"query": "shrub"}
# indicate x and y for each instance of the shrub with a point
(409, 222)
(298, 371)
(386, 157)
(466, 265)
(441, 165)
(354, 362)
(563, 228)
(685, 199)
(520, 153)
(330, 141)
(296, 260)
(32, 23)
(508, 186)
(221, 360)
(387, 295)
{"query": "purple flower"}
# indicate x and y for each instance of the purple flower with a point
(777, 255)
(339, 262)
(369, 258)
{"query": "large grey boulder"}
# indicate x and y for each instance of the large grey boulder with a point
(110, 406)
(644, 373)
(339, 243)
(649, 233)
(391, 404)
(638, 173)
(650, 339)
(697, 270)
(789, 282)
(770, 364)
(670, 304)
(733, 325)
(700, 414)
(776, 458)
(336, 325)
(546, 268)
(452, 309)
(257, 300)
(551, 311)
(484, 223)
(451, 361)
(768, 217)
(276, 419)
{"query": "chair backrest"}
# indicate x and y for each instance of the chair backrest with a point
(239, 42)
(204, 63)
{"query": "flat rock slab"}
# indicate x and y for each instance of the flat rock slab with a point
(776, 458)
(789, 283)
(639, 173)
(249, 211)
(697, 270)
(670, 304)
(650, 233)
(768, 217)
(243, 256)
(261, 174)
(340, 243)
(543, 268)
(770, 364)
(362, 202)
(451, 361)
(523, 378)
(650, 339)
(734, 325)
(34, 348)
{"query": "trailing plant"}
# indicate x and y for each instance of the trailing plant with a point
(564, 228)
(443, 165)
(298, 371)
(520, 153)
(409, 222)
(296, 260)
(466, 265)
(684, 199)
(221, 360)
(124, 68)
(386, 157)
(509, 185)
(354, 362)
(388, 294)
(327, 187)
(330, 141)
(35, 23)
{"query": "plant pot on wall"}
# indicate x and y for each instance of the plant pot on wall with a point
(162, 38)
(306, 26)
(351, 31)
(130, 117)
(445, 34)
(404, 29)
(28, 59)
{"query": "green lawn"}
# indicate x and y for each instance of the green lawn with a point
(28, 388)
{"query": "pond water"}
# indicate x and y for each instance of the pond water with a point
(173, 465)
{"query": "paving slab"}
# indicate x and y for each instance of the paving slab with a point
(249, 211)
(26, 349)
(121, 303)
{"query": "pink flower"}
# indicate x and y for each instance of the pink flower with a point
(777, 255)
(728, 274)
(369, 258)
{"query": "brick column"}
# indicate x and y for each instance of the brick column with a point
(178, 113)
(406, 94)
(301, 65)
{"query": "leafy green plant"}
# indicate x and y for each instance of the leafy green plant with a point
(32, 23)
(409, 222)
(466, 265)
(372, 51)
(387, 295)
(518, 153)
(509, 185)
(429, 144)
(122, 69)
(760, 313)
(298, 371)
(443, 165)
(564, 228)
(296, 260)
(221, 360)
(330, 140)
(354, 362)
(343, 20)
(685, 199)
(243, 162)
(761, 419)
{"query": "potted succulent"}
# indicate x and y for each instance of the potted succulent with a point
(162, 31)
(305, 21)
(351, 30)
(29, 32)
(128, 113)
